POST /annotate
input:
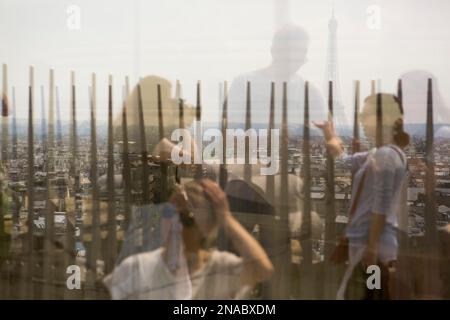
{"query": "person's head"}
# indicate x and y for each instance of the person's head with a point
(196, 215)
(390, 115)
(149, 97)
(289, 48)
(415, 95)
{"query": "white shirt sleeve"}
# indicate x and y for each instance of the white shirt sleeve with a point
(231, 268)
(121, 282)
(353, 161)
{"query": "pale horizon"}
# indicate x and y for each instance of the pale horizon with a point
(213, 42)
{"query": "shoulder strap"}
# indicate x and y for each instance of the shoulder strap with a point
(399, 154)
(357, 196)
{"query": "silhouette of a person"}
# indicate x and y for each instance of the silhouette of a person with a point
(379, 177)
(170, 115)
(289, 51)
(415, 84)
(186, 265)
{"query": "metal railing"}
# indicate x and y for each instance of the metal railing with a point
(38, 270)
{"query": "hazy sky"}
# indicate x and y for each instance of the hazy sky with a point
(214, 41)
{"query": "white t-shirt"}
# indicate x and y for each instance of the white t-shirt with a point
(145, 276)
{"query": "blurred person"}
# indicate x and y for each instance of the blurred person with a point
(144, 219)
(253, 197)
(258, 210)
(289, 50)
(187, 266)
(170, 114)
(159, 148)
(415, 89)
(379, 175)
(415, 101)
(249, 199)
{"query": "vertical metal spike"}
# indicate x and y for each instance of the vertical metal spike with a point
(330, 226)
(74, 170)
(5, 114)
(180, 106)
(248, 124)
(431, 240)
(163, 164)
(280, 284)
(4, 238)
(400, 94)
(222, 238)
(198, 117)
(180, 120)
(356, 137)
(43, 121)
(112, 236)
(14, 125)
(284, 150)
(160, 114)
(47, 288)
(403, 238)
(270, 233)
(94, 252)
(70, 236)
(379, 132)
(58, 118)
(73, 133)
(307, 273)
(30, 190)
(306, 223)
(330, 233)
(125, 158)
(270, 180)
(198, 113)
(143, 147)
(51, 121)
(223, 175)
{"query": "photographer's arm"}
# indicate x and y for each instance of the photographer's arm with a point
(336, 149)
(257, 266)
(333, 142)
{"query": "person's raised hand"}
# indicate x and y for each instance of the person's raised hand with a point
(217, 197)
(327, 128)
(164, 149)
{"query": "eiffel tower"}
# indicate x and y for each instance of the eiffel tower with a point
(341, 121)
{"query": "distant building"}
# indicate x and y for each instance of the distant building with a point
(341, 121)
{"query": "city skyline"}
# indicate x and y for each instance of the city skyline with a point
(226, 50)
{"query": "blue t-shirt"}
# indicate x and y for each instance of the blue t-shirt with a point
(385, 170)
